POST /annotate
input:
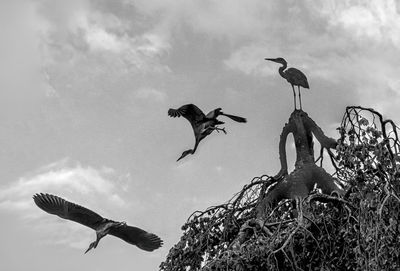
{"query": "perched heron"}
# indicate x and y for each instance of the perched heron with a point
(103, 226)
(294, 76)
(202, 124)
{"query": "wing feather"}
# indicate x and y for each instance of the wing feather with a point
(296, 77)
(67, 210)
(189, 111)
(136, 236)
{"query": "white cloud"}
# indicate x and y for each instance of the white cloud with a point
(376, 20)
(233, 19)
(250, 60)
(97, 189)
(361, 21)
(85, 181)
(99, 39)
(141, 49)
(151, 93)
(153, 45)
(78, 27)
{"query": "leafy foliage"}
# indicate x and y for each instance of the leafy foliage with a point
(359, 231)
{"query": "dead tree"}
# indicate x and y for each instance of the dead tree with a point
(358, 231)
(298, 184)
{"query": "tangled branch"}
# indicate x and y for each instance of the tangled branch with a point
(356, 231)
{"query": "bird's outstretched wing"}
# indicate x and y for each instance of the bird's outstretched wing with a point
(67, 210)
(135, 236)
(189, 111)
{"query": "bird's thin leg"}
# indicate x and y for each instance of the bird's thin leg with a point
(219, 129)
(294, 97)
(298, 87)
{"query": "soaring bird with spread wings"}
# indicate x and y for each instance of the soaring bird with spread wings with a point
(202, 124)
(103, 226)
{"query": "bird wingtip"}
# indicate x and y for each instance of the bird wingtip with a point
(37, 195)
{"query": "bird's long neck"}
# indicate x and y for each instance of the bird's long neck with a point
(104, 229)
(281, 70)
(215, 113)
(99, 235)
(196, 144)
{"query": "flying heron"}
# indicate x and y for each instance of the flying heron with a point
(202, 124)
(103, 226)
(294, 76)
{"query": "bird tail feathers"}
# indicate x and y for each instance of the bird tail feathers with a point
(235, 118)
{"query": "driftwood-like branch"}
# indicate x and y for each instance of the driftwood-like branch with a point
(326, 142)
(306, 174)
(287, 129)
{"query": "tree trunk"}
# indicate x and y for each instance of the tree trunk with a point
(299, 183)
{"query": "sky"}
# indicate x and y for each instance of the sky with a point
(85, 87)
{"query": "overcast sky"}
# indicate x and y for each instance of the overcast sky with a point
(85, 87)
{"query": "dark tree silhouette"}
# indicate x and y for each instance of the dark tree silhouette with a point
(357, 228)
(298, 184)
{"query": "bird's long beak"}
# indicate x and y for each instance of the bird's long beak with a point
(185, 153)
(89, 248)
(270, 59)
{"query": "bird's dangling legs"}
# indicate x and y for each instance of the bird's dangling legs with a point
(298, 87)
(294, 98)
(219, 129)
